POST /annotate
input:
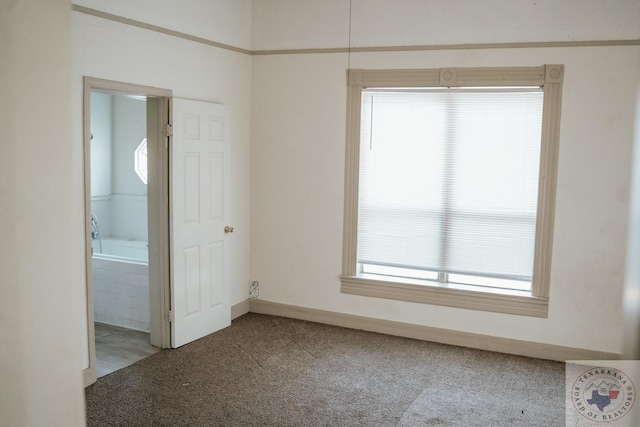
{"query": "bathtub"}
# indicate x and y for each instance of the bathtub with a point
(121, 250)
(121, 283)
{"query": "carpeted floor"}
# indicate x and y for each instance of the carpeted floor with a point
(273, 371)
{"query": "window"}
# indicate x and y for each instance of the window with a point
(140, 161)
(450, 186)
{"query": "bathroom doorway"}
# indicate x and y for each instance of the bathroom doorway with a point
(127, 207)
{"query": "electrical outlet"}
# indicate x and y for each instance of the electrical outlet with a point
(254, 289)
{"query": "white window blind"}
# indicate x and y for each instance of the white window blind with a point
(449, 180)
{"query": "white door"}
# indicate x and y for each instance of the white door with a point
(199, 214)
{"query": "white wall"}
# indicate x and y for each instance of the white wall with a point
(289, 24)
(223, 21)
(297, 158)
(118, 195)
(129, 128)
(100, 144)
(101, 161)
(41, 227)
(109, 50)
(128, 210)
(631, 302)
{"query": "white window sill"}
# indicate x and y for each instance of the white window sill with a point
(450, 295)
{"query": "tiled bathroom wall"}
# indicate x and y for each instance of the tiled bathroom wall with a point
(121, 294)
(128, 217)
(121, 216)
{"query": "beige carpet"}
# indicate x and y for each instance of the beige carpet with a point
(272, 371)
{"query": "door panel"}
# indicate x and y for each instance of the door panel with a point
(216, 186)
(191, 187)
(200, 188)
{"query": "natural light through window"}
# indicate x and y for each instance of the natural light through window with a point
(140, 159)
(450, 184)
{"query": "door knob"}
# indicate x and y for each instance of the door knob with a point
(228, 229)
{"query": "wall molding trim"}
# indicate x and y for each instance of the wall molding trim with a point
(157, 29)
(88, 377)
(427, 333)
(240, 309)
(470, 46)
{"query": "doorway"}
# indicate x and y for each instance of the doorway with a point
(127, 211)
(188, 288)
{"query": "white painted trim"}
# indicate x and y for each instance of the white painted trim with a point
(451, 77)
(437, 295)
(240, 309)
(468, 46)
(158, 109)
(352, 171)
(126, 88)
(427, 333)
(549, 148)
(89, 376)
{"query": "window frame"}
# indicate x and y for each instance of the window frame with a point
(550, 79)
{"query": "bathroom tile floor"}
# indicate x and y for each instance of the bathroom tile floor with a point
(118, 347)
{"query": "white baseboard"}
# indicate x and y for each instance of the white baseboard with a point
(426, 333)
(88, 377)
(239, 309)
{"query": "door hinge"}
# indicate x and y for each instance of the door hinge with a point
(170, 316)
(169, 129)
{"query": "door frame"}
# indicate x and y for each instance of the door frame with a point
(159, 130)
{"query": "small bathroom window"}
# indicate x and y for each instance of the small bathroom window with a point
(140, 164)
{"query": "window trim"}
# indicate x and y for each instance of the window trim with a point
(550, 78)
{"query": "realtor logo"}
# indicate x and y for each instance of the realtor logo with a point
(603, 395)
